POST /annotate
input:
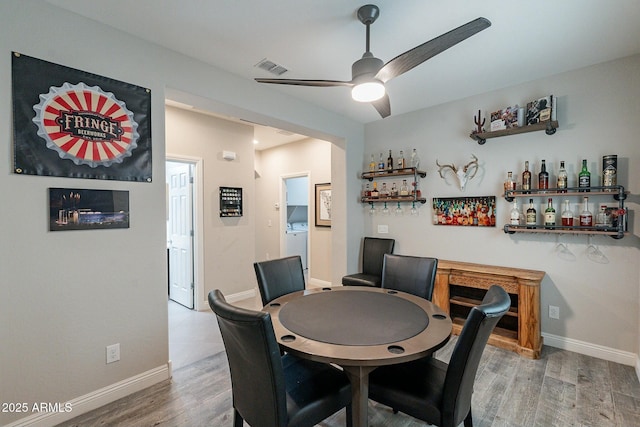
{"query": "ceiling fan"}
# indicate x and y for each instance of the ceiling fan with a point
(369, 74)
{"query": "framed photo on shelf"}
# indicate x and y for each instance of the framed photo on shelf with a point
(323, 205)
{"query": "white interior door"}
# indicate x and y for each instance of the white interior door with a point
(180, 232)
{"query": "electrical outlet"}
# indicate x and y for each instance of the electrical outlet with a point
(383, 229)
(554, 312)
(113, 353)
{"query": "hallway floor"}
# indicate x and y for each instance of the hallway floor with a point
(194, 335)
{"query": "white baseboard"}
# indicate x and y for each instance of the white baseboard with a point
(240, 295)
(594, 350)
(96, 399)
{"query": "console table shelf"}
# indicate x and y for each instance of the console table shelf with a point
(460, 285)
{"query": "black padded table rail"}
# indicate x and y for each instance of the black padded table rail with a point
(348, 318)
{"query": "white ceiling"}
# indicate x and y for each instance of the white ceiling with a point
(320, 39)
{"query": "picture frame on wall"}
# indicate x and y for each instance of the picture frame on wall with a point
(323, 205)
(87, 209)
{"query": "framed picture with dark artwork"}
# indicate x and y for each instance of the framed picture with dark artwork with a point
(83, 209)
(323, 205)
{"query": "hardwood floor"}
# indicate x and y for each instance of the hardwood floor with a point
(562, 388)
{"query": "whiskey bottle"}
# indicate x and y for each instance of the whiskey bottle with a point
(375, 194)
(584, 178)
(404, 189)
(509, 184)
(586, 217)
(532, 216)
(390, 162)
(401, 160)
(567, 215)
(543, 177)
(526, 178)
(514, 217)
(549, 215)
(563, 181)
(372, 164)
(394, 190)
(384, 192)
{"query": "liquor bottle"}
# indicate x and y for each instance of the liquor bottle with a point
(390, 162)
(586, 217)
(567, 215)
(375, 193)
(384, 192)
(367, 191)
(404, 189)
(372, 164)
(401, 160)
(584, 178)
(514, 217)
(532, 216)
(381, 163)
(394, 190)
(543, 177)
(563, 180)
(509, 184)
(550, 215)
(603, 218)
(414, 160)
(526, 178)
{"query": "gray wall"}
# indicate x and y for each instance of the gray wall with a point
(66, 296)
(598, 113)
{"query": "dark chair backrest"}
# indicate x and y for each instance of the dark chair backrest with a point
(279, 277)
(463, 366)
(257, 376)
(411, 274)
(373, 250)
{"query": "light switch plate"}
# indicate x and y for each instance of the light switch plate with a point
(383, 229)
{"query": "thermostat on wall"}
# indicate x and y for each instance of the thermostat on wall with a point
(229, 155)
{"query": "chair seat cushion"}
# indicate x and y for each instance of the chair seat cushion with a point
(361, 279)
(311, 390)
(414, 388)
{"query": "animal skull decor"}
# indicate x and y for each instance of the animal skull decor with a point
(466, 173)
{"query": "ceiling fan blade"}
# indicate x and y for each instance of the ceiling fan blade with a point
(383, 106)
(416, 56)
(317, 83)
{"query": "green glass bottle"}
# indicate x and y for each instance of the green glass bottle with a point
(584, 178)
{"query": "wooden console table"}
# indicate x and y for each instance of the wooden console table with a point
(461, 285)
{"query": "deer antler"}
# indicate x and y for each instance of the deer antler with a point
(445, 167)
(473, 163)
(462, 174)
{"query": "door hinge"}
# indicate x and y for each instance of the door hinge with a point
(190, 180)
(192, 285)
(191, 233)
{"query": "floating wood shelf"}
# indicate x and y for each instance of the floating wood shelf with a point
(549, 127)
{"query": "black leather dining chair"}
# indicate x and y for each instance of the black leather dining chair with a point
(432, 390)
(411, 274)
(270, 390)
(279, 277)
(373, 250)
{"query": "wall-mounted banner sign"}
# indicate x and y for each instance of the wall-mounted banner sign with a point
(75, 124)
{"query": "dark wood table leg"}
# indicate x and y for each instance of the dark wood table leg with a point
(359, 377)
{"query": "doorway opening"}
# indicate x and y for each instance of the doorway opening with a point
(182, 226)
(295, 217)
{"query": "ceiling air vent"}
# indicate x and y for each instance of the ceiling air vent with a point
(271, 67)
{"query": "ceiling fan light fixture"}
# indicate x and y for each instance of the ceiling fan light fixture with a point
(368, 91)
